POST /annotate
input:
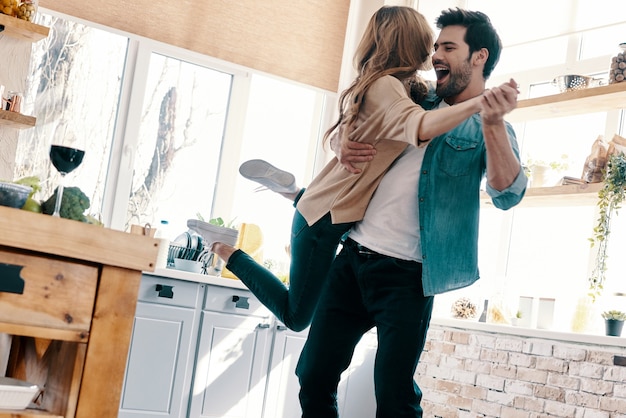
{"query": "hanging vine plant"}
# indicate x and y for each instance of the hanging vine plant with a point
(610, 199)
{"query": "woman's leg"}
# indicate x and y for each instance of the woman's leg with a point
(313, 249)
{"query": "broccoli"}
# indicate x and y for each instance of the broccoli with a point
(73, 205)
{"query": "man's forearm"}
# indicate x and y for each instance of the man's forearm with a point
(502, 164)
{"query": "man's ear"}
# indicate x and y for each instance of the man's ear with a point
(480, 56)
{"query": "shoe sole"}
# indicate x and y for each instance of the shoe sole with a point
(273, 178)
(213, 233)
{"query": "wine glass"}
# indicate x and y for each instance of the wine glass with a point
(65, 159)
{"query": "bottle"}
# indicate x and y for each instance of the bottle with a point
(162, 234)
(483, 315)
(617, 72)
(162, 229)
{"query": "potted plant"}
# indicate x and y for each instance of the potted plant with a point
(543, 173)
(610, 199)
(516, 318)
(614, 321)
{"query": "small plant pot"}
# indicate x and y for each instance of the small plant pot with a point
(614, 327)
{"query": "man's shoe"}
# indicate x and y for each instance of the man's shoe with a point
(213, 233)
(273, 178)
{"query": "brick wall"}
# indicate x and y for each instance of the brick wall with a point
(469, 373)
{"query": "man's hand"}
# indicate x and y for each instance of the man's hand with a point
(349, 152)
(499, 101)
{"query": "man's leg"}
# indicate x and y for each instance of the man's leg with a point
(337, 327)
(395, 299)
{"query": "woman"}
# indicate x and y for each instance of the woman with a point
(377, 109)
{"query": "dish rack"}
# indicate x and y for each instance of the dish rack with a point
(203, 256)
(185, 253)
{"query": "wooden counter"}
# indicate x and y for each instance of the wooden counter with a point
(68, 292)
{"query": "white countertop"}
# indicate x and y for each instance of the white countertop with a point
(198, 278)
(596, 340)
(545, 334)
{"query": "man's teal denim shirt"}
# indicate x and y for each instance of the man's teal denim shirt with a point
(449, 203)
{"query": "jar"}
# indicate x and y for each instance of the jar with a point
(27, 10)
(617, 72)
(13, 101)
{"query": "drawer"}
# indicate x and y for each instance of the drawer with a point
(46, 291)
(239, 301)
(169, 291)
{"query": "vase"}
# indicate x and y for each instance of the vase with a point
(614, 327)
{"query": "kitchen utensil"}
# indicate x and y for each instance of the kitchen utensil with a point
(571, 82)
(13, 195)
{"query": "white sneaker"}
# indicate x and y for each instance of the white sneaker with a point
(273, 178)
(213, 233)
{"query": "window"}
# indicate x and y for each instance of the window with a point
(166, 131)
(179, 143)
(72, 92)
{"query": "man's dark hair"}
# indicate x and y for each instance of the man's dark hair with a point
(480, 33)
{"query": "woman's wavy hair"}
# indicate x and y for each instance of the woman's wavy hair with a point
(397, 41)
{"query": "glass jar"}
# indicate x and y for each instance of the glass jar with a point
(617, 72)
(27, 10)
(13, 101)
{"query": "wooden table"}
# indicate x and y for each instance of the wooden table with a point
(68, 292)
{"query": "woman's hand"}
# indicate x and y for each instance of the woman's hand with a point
(499, 101)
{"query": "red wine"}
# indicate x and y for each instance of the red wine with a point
(66, 159)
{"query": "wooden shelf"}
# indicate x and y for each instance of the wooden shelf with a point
(21, 29)
(595, 99)
(567, 195)
(16, 120)
(27, 413)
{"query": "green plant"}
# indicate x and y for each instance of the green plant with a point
(518, 314)
(610, 199)
(614, 315)
(561, 165)
(218, 221)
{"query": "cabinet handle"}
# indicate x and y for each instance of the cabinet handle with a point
(11, 281)
(165, 291)
(263, 326)
(281, 328)
(241, 302)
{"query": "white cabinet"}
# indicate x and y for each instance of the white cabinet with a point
(281, 399)
(162, 349)
(205, 351)
(356, 388)
(231, 366)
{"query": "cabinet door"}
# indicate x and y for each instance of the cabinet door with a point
(356, 389)
(156, 382)
(231, 365)
(283, 387)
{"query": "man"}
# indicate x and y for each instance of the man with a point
(420, 242)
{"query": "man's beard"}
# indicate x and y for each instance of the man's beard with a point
(458, 80)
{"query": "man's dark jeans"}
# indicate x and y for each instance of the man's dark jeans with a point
(366, 289)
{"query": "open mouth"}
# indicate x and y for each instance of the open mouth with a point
(441, 72)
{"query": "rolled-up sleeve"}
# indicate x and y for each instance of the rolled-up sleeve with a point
(512, 195)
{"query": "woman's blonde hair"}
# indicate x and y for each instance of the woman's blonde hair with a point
(397, 41)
